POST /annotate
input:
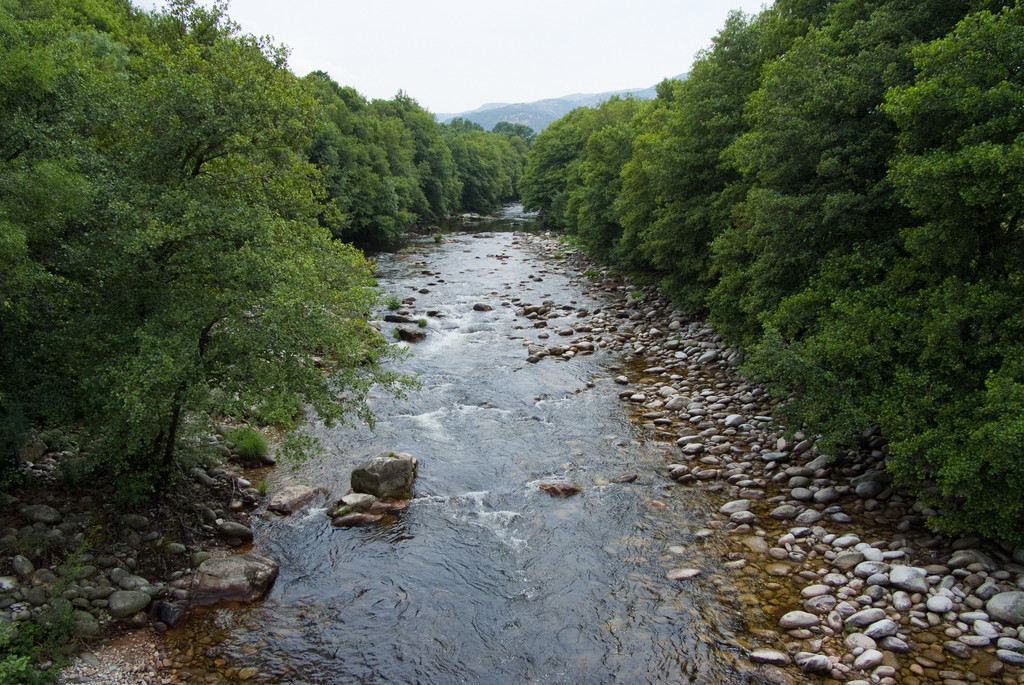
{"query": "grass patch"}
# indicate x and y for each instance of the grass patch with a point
(250, 444)
(392, 302)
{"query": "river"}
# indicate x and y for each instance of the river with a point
(485, 578)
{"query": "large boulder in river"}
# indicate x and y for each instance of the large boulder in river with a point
(410, 333)
(387, 476)
(291, 499)
(238, 578)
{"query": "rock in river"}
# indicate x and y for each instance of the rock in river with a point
(559, 489)
(238, 578)
(410, 333)
(387, 476)
(291, 499)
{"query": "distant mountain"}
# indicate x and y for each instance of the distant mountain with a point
(537, 115)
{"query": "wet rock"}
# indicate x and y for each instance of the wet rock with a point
(355, 519)
(957, 649)
(560, 489)
(682, 573)
(168, 613)
(827, 495)
(1010, 643)
(237, 578)
(769, 656)
(1010, 657)
(409, 333)
(755, 544)
(355, 501)
(625, 478)
(124, 603)
(291, 499)
(1007, 608)
(389, 475)
(894, 644)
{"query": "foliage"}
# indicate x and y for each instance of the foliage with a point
(20, 653)
(488, 164)
(165, 249)
(251, 444)
(838, 186)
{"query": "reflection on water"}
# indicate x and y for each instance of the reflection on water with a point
(484, 578)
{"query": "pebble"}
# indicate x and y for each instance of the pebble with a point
(798, 619)
(939, 604)
(682, 573)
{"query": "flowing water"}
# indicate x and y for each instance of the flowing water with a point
(485, 578)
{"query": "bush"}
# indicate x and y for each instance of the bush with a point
(250, 444)
(20, 652)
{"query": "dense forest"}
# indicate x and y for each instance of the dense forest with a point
(839, 188)
(180, 224)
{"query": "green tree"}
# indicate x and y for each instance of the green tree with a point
(550, 164)
(362, 205)
(679, 190)
(487, 166)
(185, 270)
(521, 131)
(960, 169)
(591, 208)
(434, 170)
(919, 331)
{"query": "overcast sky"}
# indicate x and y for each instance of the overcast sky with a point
(456, 55)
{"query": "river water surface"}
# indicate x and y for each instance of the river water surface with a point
(485, 578)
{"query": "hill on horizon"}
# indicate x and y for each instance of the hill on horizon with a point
(537, 115)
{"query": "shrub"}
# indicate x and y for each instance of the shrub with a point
(250, 444)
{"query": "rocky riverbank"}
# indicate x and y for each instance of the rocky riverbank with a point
(71, 558)
(851, 584)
